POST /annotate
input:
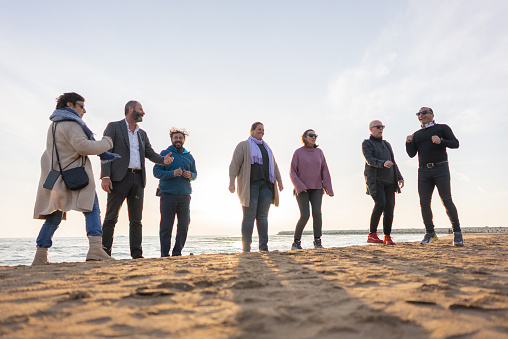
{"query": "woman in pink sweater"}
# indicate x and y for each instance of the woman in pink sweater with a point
(311, 178)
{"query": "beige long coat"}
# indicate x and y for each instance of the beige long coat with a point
(71, 142)
(240, 167)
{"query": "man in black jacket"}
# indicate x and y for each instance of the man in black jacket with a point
(383, 179)
(125, 178)
(430, 142)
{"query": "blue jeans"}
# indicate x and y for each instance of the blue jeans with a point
(53, 220)
(260, 199)
(170, 206)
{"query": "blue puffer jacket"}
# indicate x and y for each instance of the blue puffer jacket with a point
(168, 182)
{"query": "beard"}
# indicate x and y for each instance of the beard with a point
(138, 117)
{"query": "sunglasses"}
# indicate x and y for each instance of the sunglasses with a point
(80, 105)
(423, 113)
(379, 126)
(312, 135)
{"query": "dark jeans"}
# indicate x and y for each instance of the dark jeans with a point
(315, 198)
(170, 206)
(384, 203)
(439, 177)
(130, 187)
(260, 199)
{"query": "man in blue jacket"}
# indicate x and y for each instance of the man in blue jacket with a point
(175, 190)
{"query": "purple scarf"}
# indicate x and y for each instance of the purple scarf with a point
(257, 158)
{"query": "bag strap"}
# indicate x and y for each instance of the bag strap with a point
(83, 161)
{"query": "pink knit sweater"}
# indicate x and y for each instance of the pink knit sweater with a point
(309, 170)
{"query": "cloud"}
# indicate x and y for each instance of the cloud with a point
(448, 55)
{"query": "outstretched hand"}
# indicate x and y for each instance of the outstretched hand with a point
(168, 159)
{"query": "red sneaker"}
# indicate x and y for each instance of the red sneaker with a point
(374, 239)
(388, 240)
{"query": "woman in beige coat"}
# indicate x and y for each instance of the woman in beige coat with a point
(74, 142)
(258, 175)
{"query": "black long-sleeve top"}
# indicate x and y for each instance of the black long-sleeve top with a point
(426, 149)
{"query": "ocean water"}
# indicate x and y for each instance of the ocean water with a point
(20, 251)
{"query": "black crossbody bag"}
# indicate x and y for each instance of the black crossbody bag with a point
(75, 178)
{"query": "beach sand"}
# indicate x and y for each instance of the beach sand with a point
(402, 291)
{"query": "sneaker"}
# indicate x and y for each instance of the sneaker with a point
(317, 243)
(264, 249)
(457, 239)
(388, 240)
(374, 239)
(297, 245)
(429, 237)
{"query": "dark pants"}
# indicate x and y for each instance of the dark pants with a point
(170, 206)
(439, 177)
(315, 198)
(384, 203)
(130, 187)
(261, 195)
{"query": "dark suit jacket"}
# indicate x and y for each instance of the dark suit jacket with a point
(117, 169)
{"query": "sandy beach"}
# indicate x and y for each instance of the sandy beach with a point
(402, 291)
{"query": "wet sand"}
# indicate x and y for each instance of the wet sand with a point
(402, 291)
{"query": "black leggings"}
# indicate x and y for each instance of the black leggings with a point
(315, 197)
(384, 204)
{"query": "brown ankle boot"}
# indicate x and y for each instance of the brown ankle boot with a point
(96, 252)
(41, 256)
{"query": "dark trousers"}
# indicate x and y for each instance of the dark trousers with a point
(261, 195)
(315, 198)
(170, 206)
(439, 177)
(130, 187)
(384, 203)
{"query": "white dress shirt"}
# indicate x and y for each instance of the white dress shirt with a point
(135, 161)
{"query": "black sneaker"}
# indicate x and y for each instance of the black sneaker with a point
(457, 239)
(317, 243)
(429, 237)
(297, 245)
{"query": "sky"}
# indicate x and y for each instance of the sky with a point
(215, 67)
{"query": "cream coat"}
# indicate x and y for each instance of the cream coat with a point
(240, 167)
(71, 142)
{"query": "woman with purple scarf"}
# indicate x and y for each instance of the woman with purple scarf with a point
(253, 166)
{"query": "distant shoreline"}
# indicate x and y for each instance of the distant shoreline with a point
(442, 230)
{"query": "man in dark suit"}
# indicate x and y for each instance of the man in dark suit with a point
(126, 177)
